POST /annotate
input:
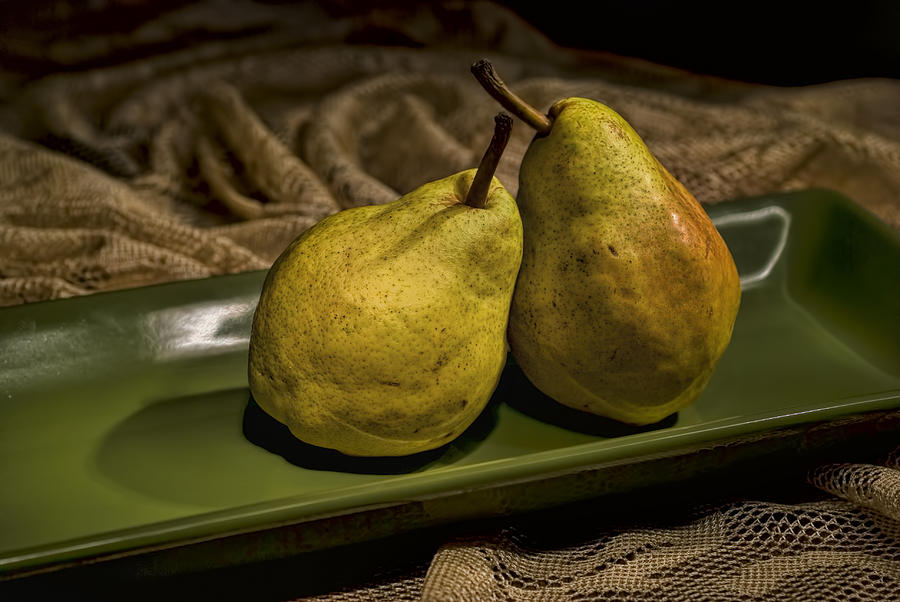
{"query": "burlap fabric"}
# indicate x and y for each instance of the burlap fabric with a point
(213, 136)
(180, 140)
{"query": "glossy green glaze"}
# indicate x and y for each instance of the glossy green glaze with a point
(127, 421)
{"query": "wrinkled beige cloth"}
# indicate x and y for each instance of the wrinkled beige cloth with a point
(201, 141)
(748, 550)
(846, 548)
(190, 160)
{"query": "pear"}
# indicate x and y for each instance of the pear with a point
(381, 330)
(627, 294)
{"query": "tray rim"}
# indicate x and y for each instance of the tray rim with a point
(416, 486)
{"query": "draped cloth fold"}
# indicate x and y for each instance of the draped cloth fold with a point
(220, 135)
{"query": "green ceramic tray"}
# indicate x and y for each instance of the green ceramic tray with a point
(127, 423)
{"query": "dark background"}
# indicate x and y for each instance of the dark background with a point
(767, 41)
(781, 43)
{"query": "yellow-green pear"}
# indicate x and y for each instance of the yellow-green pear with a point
(627, 293)
(381, 330)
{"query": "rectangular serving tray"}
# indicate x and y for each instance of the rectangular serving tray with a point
(128, 426)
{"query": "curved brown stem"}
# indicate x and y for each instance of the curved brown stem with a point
(481, 183)
(484, 72)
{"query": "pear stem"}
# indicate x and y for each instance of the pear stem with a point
(484, 72)
(481, 183)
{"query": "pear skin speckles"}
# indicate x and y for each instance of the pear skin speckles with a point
(382, 330)
(627, 294)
